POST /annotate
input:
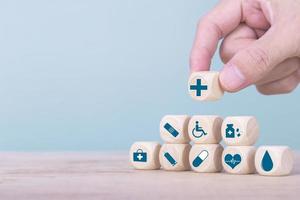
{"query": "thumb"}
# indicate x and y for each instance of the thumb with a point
(251, 64)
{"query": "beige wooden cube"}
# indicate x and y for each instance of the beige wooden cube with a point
(239, 159)
(205, 86)
(205, 129)
(175, 157)
(240, 130)
(206, 157)
(145, 155)
(174, 129)
(274, 160)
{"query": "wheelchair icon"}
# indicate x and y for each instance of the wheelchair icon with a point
(198, 131)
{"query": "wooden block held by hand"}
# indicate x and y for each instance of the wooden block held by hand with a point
(206, 157)
(274, 160)
(240, 130)
(205, 129)
(174, 129)
(238, 159)
(145, 155)
(205, 86)
(175, 157)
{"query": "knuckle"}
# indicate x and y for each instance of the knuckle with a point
(202, 21)
(282, 87)
(208, 22)
(263, 90)
(259, 58)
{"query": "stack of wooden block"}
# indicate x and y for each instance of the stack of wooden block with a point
(239, 133)
(205, 154)
(205, 133)
(177, 131)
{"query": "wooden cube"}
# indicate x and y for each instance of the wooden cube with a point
(205, 86)
(205, 129)
(240, 130)
(206, 157)
(145, 155)
(239, 159)
(175, 157)
(274, 160)
(174, 129)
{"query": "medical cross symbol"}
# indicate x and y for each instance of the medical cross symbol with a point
(230, 132)
(198, 87)
(140, 157)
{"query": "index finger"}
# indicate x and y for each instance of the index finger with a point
(223, 19)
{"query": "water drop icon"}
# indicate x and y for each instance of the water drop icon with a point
(267, 163)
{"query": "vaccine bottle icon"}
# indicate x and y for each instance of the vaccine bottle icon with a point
(231, 132)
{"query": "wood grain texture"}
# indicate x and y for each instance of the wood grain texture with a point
(101, 176)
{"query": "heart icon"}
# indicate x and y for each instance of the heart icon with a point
(233, 160)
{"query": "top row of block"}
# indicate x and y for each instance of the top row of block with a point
(209, 129)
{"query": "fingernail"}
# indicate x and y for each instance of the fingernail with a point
(231, 78)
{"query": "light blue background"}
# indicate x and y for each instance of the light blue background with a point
(99, 75)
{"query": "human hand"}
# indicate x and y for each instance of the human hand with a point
(261, 44)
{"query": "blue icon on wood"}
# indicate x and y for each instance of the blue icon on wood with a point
(231, 132)
(198, 87)
(169, 158)
(140, 156)
(171, 129)
(200, 158)
(233, 160)
(267, 163)
(198, 131)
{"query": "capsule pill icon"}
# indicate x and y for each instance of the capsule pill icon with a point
(169, 158)
(200, 158)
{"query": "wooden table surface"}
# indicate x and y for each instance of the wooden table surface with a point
(102, 176)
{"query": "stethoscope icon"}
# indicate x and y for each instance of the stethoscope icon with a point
(198, 131)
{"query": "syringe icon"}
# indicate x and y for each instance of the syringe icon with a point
(169, 158)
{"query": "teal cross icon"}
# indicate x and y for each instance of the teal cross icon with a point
(198, 87)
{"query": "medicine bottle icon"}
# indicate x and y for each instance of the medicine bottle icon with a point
(230, 132)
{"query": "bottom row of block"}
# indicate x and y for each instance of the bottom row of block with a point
(265, 160)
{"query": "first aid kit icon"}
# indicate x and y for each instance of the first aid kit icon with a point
(140, 156)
